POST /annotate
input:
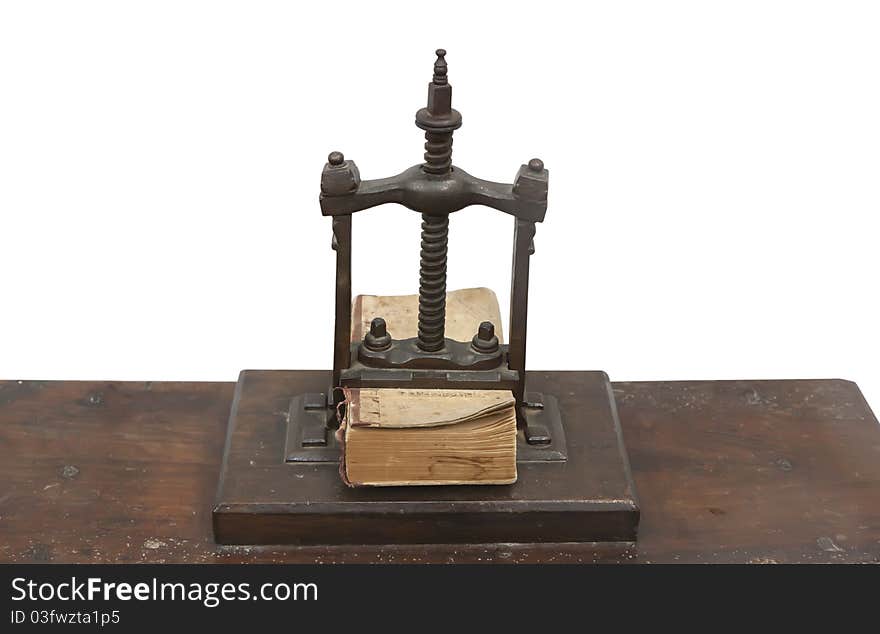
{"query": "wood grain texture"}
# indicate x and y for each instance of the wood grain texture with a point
(727, 471)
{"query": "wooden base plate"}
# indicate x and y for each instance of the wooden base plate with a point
(263, 499)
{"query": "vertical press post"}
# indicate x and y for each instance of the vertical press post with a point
(523, 247)
(342, 334)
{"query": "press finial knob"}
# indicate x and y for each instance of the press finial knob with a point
(439, 120)
(336, 159)
(536, 165)
(440, 67)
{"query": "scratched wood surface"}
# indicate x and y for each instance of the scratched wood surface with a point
(726, 471)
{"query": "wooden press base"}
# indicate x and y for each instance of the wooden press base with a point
(262, 499)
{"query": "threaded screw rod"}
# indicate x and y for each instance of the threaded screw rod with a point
(438, 152)
(439, 120)
(432, 283)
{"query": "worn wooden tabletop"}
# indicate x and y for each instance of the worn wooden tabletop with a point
(726, 471)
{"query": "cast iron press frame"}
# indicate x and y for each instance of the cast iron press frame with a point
(435, 189)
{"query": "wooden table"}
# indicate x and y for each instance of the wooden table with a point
(726, 471)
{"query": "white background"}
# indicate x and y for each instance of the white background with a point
(713, 197)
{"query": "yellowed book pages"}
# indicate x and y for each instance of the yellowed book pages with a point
(465, 310)
(394, 437)
(386, 407)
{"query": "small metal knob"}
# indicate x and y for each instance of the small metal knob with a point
(378, 338)
(485, 340)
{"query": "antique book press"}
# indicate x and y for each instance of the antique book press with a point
(279, 482)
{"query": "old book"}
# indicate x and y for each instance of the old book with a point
(397, 437)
